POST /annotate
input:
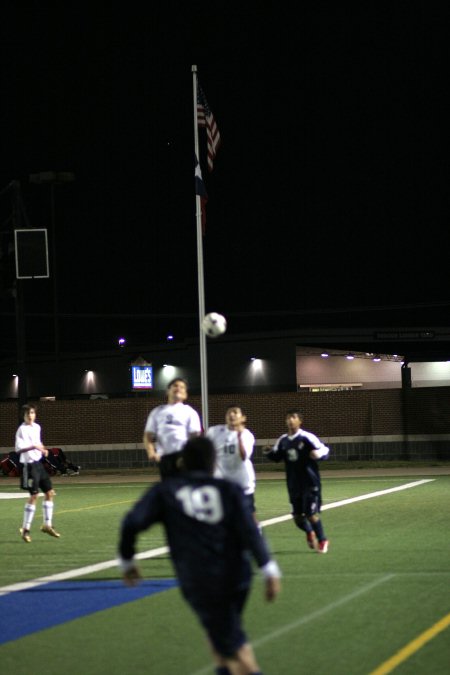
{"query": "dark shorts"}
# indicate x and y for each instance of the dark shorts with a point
(34, 478)
(170, 465)
(221, 618)
(308, 504)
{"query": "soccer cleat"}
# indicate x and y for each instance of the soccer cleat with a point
(48, 529)
(25, 534)
(311, 540)
(323, 546)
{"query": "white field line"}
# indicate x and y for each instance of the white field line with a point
(352, 500)
(311, 617)
(16, 495)
(153, 553)
(81, 571)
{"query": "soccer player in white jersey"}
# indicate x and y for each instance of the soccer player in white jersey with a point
(234, 445)
(168, 428)
(34, 476)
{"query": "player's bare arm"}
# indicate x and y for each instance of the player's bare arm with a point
(149, 445)
(132, 577)
(272, 584)
(38, 446)
(272, 588)
(240, 443)
(131, 574)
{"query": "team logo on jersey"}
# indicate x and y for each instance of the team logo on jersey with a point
(169, 419)
(292, 454)
(300, 445)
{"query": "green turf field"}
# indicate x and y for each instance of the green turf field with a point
(379, 593)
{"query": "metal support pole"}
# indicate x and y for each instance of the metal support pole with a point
(55, 288)
(20, 315)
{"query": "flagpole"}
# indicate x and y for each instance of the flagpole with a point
(201, 287)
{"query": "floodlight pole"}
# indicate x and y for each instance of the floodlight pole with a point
(22, 393)
(53, 178)
(55, 285)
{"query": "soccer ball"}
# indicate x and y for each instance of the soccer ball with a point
(214, 324)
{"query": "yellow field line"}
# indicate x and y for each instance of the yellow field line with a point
(416, 644)
(97, 506)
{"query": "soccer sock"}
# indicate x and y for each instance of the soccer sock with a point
(222, 670)
(28, 515)
(47, 512)
(304, 525)
(318, 529)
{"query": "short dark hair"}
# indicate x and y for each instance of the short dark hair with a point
(177, 379)
(199, 454)
(295, 412)
(27, 407)
(235, 405)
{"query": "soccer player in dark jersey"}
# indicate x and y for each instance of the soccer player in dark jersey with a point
(301, 451)
(210, 532)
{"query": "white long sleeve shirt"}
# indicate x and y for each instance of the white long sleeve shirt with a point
(28, 436)
(229, 464)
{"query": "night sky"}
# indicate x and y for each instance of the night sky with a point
(329, 191)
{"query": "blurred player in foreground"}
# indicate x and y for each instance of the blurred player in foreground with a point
(210, 532)
(168, 428)
(234, 445)
(34, 476)
(300, 451)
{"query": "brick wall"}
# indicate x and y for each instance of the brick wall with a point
(327, 414)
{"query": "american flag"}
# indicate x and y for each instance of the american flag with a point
(200, 190)
(205, 118)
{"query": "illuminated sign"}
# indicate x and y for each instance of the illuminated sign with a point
(142, 377)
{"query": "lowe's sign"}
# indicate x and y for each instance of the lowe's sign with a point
(142, 377)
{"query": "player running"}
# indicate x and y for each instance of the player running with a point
(210, 532)
(300, 451)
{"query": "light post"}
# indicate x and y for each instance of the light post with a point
(53, 178)
(20, 313)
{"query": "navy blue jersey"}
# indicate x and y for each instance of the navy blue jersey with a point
(210, 531)
(302, 471)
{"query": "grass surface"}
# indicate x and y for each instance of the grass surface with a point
(385, 580)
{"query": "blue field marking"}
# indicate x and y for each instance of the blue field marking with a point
(22, 613)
